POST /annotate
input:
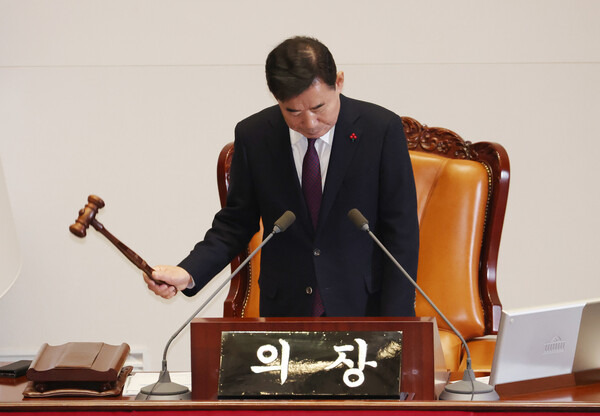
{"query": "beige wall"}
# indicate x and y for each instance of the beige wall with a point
(132, 100)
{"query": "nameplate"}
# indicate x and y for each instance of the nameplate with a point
(310, 364)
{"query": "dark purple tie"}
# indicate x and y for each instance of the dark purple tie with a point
(312, 188)
(311, 181)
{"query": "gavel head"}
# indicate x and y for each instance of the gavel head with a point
(86, 215)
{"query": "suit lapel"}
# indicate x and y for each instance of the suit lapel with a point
(345, 143)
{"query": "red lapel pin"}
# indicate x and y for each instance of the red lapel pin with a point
(353, 137)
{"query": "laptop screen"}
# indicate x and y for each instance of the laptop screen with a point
(587, 355)
(537, 342)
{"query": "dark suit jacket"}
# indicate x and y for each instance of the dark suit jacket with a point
(372, 173)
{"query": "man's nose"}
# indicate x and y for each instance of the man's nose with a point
(310, 120)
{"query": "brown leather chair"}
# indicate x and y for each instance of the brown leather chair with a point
(462, 189)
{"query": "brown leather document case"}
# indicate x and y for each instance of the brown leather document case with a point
(78, 369)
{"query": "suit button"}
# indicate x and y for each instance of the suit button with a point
(309, 290)
(316, 252)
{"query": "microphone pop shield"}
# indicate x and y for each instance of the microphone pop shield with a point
(284, 222)
(358, 219)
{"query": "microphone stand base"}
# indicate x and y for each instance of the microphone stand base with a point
(160, 393)
(164, 389)
(464, 390)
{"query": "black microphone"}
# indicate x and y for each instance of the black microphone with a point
(468, 387)
(164, 388)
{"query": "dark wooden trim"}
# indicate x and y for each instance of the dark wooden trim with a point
(239, 286)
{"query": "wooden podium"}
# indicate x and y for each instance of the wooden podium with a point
(423, 373)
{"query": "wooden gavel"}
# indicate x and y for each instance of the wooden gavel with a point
(87, 217)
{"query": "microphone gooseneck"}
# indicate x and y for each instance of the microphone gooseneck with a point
(164, 389)
(468, 387)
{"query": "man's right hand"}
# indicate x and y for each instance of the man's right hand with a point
(175, 278)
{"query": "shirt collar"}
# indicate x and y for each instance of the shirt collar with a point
(295, 137)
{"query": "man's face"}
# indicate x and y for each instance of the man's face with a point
(315, 111)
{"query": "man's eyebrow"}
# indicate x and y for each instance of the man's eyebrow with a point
(293, 110)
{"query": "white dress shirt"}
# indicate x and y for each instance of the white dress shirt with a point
(322, 145)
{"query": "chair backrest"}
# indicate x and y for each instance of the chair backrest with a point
(462, 190)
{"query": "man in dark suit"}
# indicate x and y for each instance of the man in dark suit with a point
(318, 154)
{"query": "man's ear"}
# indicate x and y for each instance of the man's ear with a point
(339, 81)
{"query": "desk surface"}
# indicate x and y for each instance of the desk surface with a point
(572, 393)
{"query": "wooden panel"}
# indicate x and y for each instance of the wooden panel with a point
(423, 369)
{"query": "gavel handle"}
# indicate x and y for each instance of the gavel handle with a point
(129, 253)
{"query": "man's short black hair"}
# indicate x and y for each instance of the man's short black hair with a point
(294, 65)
